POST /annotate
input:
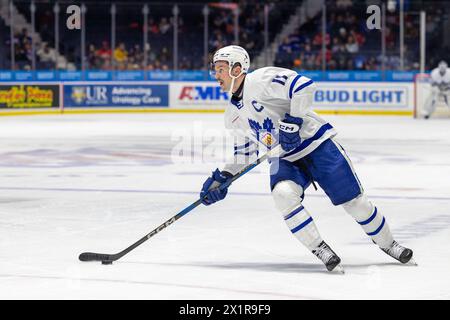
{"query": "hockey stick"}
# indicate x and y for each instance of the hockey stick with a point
(109, 258)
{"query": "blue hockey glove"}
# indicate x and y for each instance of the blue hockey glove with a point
(210, 191)
(289, 133)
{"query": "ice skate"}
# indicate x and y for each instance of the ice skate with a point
(328, 257)
(400, 253)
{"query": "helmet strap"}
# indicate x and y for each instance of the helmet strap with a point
(233, 78)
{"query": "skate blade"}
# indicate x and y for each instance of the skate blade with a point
(338, 269)
(412, 262)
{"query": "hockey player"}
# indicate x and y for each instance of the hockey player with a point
(275, 103)
(440, 87)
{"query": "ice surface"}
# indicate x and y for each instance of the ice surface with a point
(76, 183)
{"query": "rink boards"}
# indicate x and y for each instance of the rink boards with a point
(353, 97)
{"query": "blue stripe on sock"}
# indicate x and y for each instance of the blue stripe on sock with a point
(293, 213)
(363, 223)
(379, 228)
(301, 226)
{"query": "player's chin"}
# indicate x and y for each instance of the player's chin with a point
(222, 85)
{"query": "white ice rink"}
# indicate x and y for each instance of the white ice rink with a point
(77, 183)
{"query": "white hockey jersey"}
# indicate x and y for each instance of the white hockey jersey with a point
(442, 81)
(268, 94)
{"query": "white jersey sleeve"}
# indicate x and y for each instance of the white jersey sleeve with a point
(297, 89)
(300, 91)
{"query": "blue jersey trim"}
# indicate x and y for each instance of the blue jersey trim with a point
(284, 77)
(293, 213)
(279, 81)
(379, 228)
(301, 226)
(370, 219)
(310, 82)
(307, 142)
(244, 146)
(246, 153)
(237, 103)
(292, 85)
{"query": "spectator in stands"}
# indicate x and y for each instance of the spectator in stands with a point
(343, 4)
(23, 37)
(250, 44)
(164, 26)
(138, 54)
(308, 58)
(92, 57)
(185, 63)
(348, 42)
(104, 53)
(153, 27)
(343, 37)
(106, 65)
(133, 63)
(359, 37)
(338, 47)
(151, 56)
(370, 64)
(165, 55)
(46, 57)
(217, 40)
(285, 46)
(352, 46)
(338, 26)
(120, 56)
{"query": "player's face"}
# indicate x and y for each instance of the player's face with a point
(442, 67)
(222, 75)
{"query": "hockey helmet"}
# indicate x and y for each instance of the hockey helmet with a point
(233, 54)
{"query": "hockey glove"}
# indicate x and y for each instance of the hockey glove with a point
(211, 192)
(289, 133)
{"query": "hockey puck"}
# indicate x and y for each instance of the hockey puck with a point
(106, 262)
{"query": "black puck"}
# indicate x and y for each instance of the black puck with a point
(106, 262)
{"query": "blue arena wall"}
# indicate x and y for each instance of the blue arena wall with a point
(93, 75)
(338, 92)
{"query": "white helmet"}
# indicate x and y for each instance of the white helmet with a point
(233, 54)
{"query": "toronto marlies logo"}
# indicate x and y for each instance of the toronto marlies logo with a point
(264, 133)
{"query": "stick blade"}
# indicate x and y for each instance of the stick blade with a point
(91, 256)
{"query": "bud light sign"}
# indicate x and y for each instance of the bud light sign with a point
(376, 95)
(106, 95)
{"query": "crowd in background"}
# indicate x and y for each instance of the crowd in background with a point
(349, 45)
(128, 58)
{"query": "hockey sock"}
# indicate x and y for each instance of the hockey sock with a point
(303, 227)
(288, 199)
(373, 223)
